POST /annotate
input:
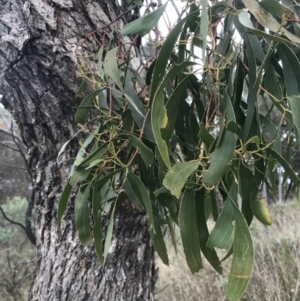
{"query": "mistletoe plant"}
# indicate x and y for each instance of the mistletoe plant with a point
(191, 131)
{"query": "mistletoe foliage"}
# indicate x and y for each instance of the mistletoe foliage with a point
(191, 132)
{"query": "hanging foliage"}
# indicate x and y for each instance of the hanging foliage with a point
(190, 131)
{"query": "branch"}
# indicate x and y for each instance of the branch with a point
(14, 149)
(28, 232)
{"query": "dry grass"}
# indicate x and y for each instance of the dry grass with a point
(276, 273)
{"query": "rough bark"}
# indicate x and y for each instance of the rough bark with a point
(37, 79)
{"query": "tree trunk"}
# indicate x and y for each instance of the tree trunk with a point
(38, 51)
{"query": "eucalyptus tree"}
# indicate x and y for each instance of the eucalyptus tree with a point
(168, 142)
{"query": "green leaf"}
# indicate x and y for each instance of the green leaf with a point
(82, 214)
(233, 127)
(142, 194)
(294, 102)
(203, 234)
(273, 131)
(109, 232)
(267, 20)
(111, 67)
(172, 232)
(97, 227)
(246, 21)
(261, 211)
(159, 120)
(143, 25)
(178, 175)
(97, 154)
(277, 9)
(164, 56)
(242, 261)
(144, 151)
(178, 95)
(248, 190)
(223, 154)
(222, 234)
(62, 204)
(85, 106)
(284, 164)
(291, 70)
(81, 87)
(189, 231)
(159, 244)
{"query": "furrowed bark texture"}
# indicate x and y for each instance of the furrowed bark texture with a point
(37, 78)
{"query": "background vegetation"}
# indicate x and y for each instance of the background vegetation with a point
(276, 272)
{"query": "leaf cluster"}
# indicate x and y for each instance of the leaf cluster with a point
(190, 132)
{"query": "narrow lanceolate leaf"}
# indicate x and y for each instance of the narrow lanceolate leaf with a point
(267, 20)
(294, 102)
(177, 96)
(242, 261)
(142, 195)
(111, 67)
(189, 231)
(291, 70)
(144, 151)
(246, 21)
(172, 232)
(159, 120)
(278, 9)
(82, 214)
(178, 175)
(85, 106)
(164, 56)
(109, 232)
(223, 232)
(143, 25)
(62, 204)
(159, 244)
(223, 154)
(248, 190)
(97, 228)
(284, 164)
(203, 234)
(97, 154)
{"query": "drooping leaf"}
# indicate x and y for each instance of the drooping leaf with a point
(223, 154)
(109, 232)
(62, 204)
(97, 227)
(294, 102)
(159, 244)
(111, 67)
(242, 261)
(82, 214)
(141, 193)
(143, 25)
(267, 20)
(222, 234)
(246, 21)
(159, 120)
(85, 106)
(203, 234)
(144, 151)
(189, 231)
(178, 175)
(291, 70)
